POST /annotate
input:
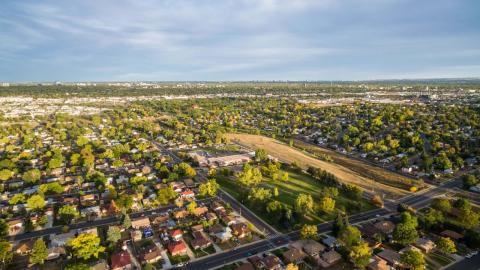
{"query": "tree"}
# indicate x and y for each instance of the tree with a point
(469, 181)
(349, 236)
(260, 194)
(32, 176)
(250, 176)
(165, 195)
(304, 203)
(377, 200)
(191, 207)
(36, 202)
(86, 246)
(275, 192)
(405, 232)
(124, 201)
(6, 253)
(432, 218)
(261, 155)
(77, 266)
(327, 204)
(291, 266)
(185, 169)
(413, 259)
(339, 224)
(360, 254)
(309, 232)
(127, 222)
(81, 141)
(209, 188)
(4, 228)
(442, 204)
(114, 234)
(137, 180)
(5, 174)
(39, 252)
(17, 198)
(68, 213)
(446, 245)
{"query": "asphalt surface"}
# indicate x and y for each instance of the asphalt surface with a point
(467, 264)
(270, 243)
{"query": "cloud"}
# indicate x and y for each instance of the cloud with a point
(241, 39)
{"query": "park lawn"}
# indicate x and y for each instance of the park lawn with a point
(288, 192)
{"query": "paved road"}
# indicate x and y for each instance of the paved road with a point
(270, 243)
(467, 264)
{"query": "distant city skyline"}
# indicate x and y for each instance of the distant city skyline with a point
(244, 40)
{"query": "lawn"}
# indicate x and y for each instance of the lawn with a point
(344, 172)
(288, 191)
(178, 259)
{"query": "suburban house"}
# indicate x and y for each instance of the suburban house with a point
(177, 248)
(121, 261)
(425, 245)
(200, 240)
(240, 230)
(293, 255)
(141, 223)
(150, 254)
(221, 233)
(328, 258)
(392, 257)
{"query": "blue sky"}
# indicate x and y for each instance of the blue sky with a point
(111, 40)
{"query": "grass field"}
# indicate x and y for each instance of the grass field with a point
(362, 168)
(288, 192)
(288, 154)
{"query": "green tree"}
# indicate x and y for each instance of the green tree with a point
(124, 201)
(259, 194)
(304, 203)
(17, 198)
(4, 228)
(405, 232)
(261, 155)
(6, 253)
(127, 222)
(86, 246)
(68, 213)
(469, 181)
(432, 217)
(327, 204)
(114, 234)
(31, 176)
(413, 259)
(309, 232)
(442, 204)
(81, 141)
(39, 252)
(349, 236)
(5, 174)
(36, 202)
(446, 245)
(360, 254)
(191, 207)
(209, 188)
(166, 195)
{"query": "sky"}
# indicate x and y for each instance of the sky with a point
(223, 40)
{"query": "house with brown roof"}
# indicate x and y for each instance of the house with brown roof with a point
(200, 240)
(15, 226)
(425, 245)
(24, 247)
(328, 259)
(200, 211)
(220, 233)
(392, 257)
(240, 230)
(313, 248)
(180, 214)
(177, 248)
(141, 223)
(385, 226)
(150, 254)
(452, 234)
(377, 263)
(293, 255)
(121, 261)
(272, 262)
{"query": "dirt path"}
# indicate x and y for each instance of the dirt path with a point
(288, 154)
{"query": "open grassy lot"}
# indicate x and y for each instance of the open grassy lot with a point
(288, 192)
(288, 154)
